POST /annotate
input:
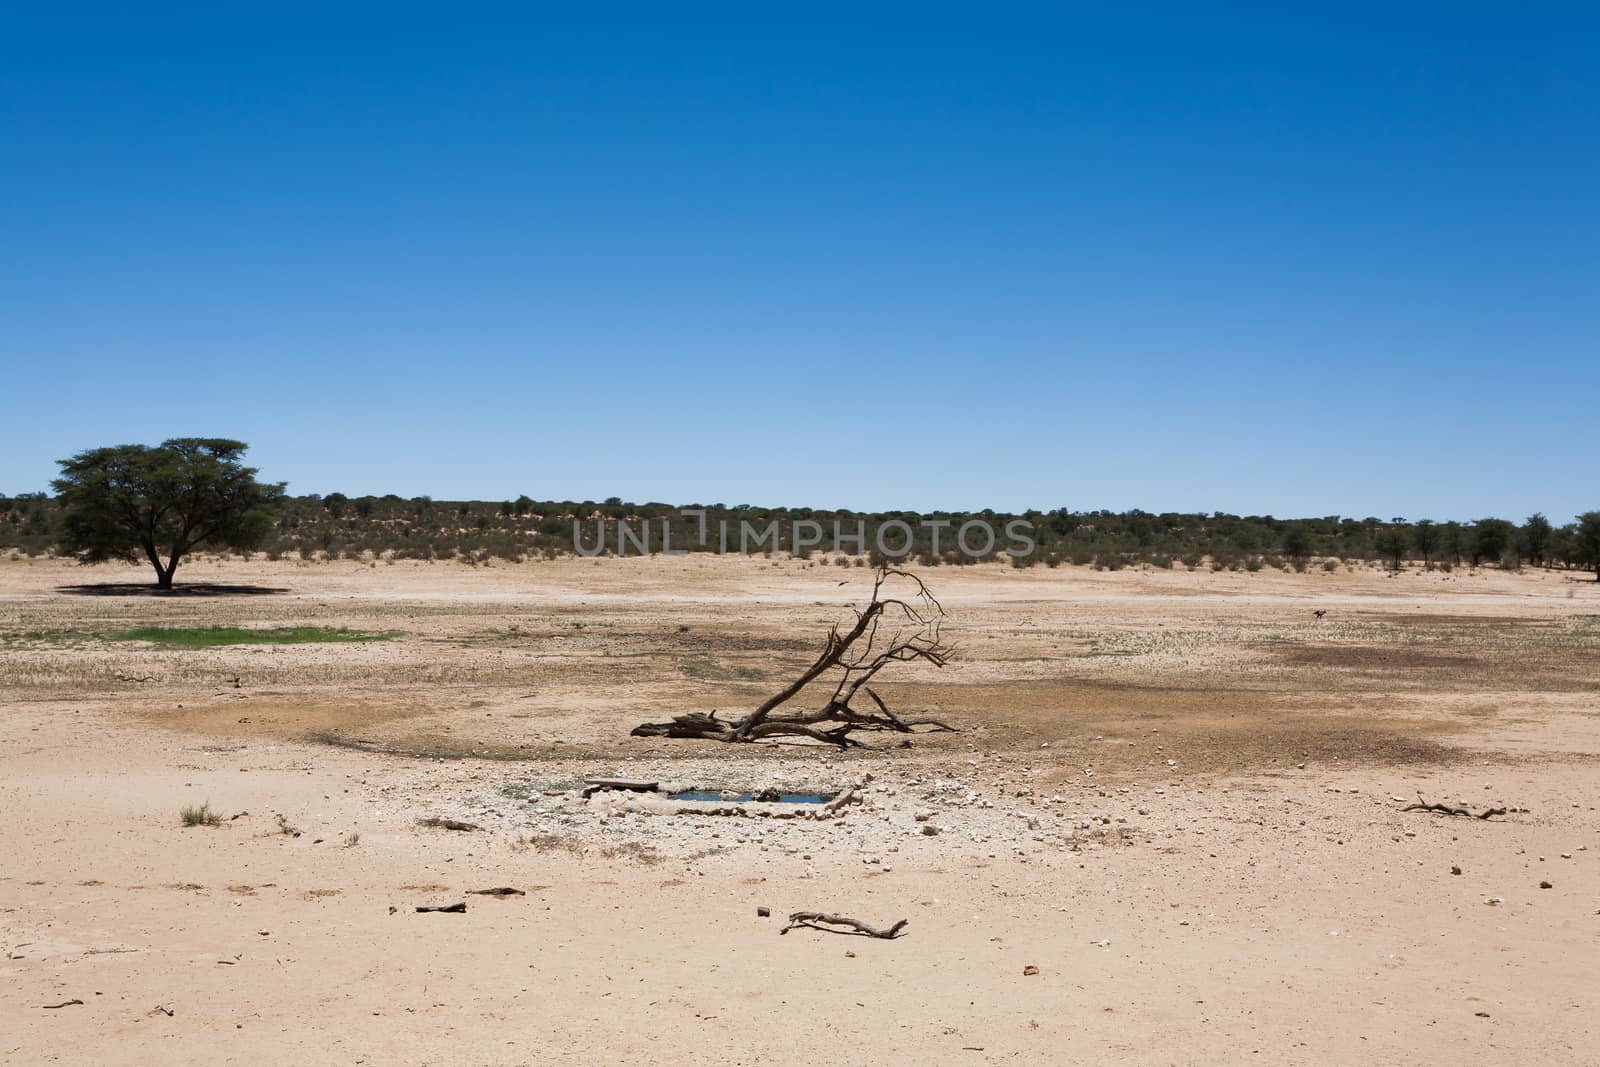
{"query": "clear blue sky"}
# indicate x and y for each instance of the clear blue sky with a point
(1255, 261)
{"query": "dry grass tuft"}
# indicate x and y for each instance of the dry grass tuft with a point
(200, 815)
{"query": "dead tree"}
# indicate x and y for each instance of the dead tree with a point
(888, 630)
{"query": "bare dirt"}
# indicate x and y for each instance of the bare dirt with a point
(1177, 797)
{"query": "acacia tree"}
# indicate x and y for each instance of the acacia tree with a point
(1426, 537)
(1297, 543)
(1490, 539)
(1391, 545)
(1453, 538)
(133, 502)
(1536, 537)
(1589, 540)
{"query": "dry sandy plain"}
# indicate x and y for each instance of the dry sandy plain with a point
(1178, 796)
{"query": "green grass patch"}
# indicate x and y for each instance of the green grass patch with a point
(209, 636)
(707, 669)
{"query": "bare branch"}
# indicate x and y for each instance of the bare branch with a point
(1445, 809)
(857, 655)
(812, 918)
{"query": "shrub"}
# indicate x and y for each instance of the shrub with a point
(200, 815)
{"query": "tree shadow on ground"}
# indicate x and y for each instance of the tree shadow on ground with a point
(198, 589)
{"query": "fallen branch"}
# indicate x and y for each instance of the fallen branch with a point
(447, 824)
(888, 630)
(447, 909)
(1445, 809)
(63, 1004)
(849, 796)
(812, 918)
(498, 891)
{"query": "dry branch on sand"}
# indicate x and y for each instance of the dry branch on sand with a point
(1445, 809)
(812, 918)
(888, 630)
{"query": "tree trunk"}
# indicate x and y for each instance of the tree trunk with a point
(164, 575)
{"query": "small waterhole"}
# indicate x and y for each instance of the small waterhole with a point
(728, 796)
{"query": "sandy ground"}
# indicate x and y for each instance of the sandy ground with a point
(1177, 796)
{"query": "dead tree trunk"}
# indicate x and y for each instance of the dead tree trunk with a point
(888, 630)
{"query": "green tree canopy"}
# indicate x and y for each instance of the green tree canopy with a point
(1426, 536)
(134, 502)
(1536, 537)
(1297, 542)
(1589, 540)
(1490, 539)
(1392, 544)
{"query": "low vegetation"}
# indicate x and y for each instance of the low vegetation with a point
(209, 636)
(477, 533)
(705, 668)
(200, 815)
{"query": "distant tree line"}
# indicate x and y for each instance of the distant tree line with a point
(337, 526)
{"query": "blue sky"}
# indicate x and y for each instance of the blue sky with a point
(1178, 259)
